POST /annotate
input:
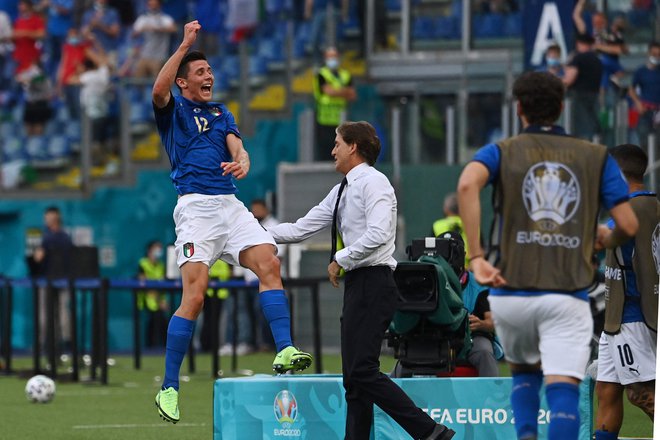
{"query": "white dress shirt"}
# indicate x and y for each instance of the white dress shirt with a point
(366, 220)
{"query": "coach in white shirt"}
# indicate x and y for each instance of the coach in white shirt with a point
(363, 210)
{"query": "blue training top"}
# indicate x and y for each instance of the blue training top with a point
(195, 137)
(613, 190)
(632, 309)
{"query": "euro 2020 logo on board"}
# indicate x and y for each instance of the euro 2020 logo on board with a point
(551, 194)
(286, 412)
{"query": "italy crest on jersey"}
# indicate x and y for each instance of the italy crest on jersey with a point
(215, 111)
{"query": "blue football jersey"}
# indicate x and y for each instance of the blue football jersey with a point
(195, 138)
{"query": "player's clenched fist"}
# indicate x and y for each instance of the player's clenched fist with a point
(190, 31)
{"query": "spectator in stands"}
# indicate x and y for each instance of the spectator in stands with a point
(5, 51)
(333, 90)
(38, 93)
(582, 77)
(102, 22)
(29, 30)
(317, 12)
(645, 94)
(60, 20)
(94, 100)
(156, 28)
(552, 62)
(212, 19)
(609, 43)
(74, 52)
(152, 302)
(451, 222)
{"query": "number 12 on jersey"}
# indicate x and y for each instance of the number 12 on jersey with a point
(202, 123)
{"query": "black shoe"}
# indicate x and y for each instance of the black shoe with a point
(441, 432)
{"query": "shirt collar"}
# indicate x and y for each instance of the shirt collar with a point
(356, 172)
(545, 129)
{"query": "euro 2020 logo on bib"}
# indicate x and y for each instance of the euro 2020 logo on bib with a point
(551, 194)
(655, 247)
(286, 408)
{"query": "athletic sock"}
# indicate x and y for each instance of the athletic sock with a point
(564, 416)
(275, 307)
(525, 402)
(605, 435)
(179, 334)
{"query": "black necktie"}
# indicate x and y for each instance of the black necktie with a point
(334, 220)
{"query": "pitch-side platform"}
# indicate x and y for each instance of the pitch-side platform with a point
(313, 407)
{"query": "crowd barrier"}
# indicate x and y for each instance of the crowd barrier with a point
(99, 289)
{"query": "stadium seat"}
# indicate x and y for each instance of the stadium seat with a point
(35, 147)
(447, 28)
(13, 148)
(488, 25)
(513, 25)
(72, 131)
(58, 146)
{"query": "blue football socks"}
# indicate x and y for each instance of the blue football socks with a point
(275, 306)
(564, 416)
(605, 435)
(179, 334)
(525, 402)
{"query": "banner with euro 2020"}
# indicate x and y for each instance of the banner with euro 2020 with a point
(313, 407)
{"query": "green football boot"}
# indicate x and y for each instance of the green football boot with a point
(291, 358)
(167, 402)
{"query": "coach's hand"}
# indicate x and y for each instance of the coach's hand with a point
(190, 31)
(486, 274)
(334, 269)
(236, 169)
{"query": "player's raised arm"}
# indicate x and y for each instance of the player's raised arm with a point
(162, 86)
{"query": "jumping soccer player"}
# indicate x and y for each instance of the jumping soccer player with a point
(627, 349)
(205, 150)
(548, 188)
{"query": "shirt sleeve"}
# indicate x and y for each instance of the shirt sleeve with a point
(164, 115)
(379, 202)
(482, 306)
(613, 186)
(316, 219)
(489, 156)
(139, 24)
(231, 125)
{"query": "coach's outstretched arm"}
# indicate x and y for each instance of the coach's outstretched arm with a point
(473, 178)
(161, 92)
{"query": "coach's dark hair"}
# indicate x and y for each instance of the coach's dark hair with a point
(362, 134)
(632, 160)
(540, 95)
(182, 71)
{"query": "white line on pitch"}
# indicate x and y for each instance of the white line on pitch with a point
(136, 425)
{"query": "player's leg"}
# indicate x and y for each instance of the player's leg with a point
(179, 334)
(261, 260)
(609, 415)
(565, 331)
(642, 395)
(515, 325)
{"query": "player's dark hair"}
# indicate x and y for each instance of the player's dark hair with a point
(632, 160)
(653, 45)
(540, 95)
(362, 134)
(182, 71)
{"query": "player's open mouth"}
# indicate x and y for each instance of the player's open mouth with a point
(206, 88)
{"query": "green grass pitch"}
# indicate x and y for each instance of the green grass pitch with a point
(124, 409)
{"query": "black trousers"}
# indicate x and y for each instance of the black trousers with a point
(369, 304)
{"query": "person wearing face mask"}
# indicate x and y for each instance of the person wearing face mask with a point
(553, 62)
(333, 90)
(151, 302)
(645, 94)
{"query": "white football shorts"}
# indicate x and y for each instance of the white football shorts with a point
(209, 228)
(628, 356)
(554, 329)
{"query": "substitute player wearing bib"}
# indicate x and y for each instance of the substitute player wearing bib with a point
(548, 188)
(205, 150)
(627, 349)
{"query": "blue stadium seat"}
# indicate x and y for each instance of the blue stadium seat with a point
(271, 50)
(230, 69)
(393, 5)
(13, 148)
(8, 129)
(35, 147)
(447, 28)
(513, 25)
(58, 146)
(72, 131)
(141, 112)
(488, 25)
(423, 28)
